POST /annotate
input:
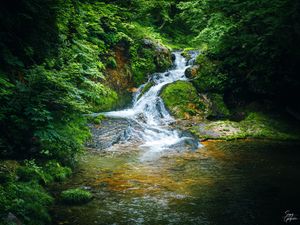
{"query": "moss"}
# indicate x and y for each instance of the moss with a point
(96, 119)
(146, 88)
(76, 196)
(147, 57)
(255, 125)
(218, 109)
(142, 63)
(185, 53)
(262, 125)
(182, 99)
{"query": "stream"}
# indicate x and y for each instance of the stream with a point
(142, 171)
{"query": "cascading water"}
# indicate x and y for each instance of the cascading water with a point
(149, 118)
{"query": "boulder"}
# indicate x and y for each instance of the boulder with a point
(192, 71)
(182, 100)
(162, 55)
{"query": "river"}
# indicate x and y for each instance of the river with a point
(157, 175)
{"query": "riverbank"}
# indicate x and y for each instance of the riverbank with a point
(257, 125)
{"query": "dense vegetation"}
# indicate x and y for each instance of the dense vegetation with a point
(250, 48)
(62, 59)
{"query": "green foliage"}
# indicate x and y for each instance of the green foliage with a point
(57, 171)
(111, 63)
(21, 192)
(27, 201)
(142, 63)
(217, 109)
(51, 171)
(148, 56)
(209, 77)
(182, 99)
(96, 119)
(76, 196)
(32, 172)
(251, 44)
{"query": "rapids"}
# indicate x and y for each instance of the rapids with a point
(150, 120)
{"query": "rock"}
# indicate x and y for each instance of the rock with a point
(132, 90)
(217, 107)
(182, 100)
(163, 57)
(110, 132)
(12, 219)
(192, 71)
(148, 42)
(173, 57)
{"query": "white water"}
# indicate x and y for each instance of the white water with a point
(150, 114)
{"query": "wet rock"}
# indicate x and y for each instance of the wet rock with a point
(217, 108)
(110, 132)
(192, 71)
(173, 57)
(182, 100)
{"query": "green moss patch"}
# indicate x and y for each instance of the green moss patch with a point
(255, 125)
(96, 119)
(182, 100)
(76, 196)
(147, 57)
(217, 109)
(146, 88)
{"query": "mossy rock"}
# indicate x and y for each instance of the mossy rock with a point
(96, 119)
(76, 196)
(208, 78)
(148, 57)
(191, 72)
(146, 88)
(182, 100)
(186, 53)
(217, 108)
(255, 125)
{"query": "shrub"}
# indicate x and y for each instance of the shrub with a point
(28, 201)
(56, 171)
(32, 172)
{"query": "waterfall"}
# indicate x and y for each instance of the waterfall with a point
(149, 116)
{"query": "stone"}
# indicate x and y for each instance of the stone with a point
(192, 71)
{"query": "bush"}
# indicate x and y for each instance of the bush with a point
(56, 171)
(28, 201)
(96, 119)
(75, 196)
(209, 78)
(32, 172)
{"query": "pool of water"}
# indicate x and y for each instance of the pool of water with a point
(223, 183)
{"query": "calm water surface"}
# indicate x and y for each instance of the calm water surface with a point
(222, 183)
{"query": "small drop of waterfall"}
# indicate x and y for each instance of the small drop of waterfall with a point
(150, 119)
